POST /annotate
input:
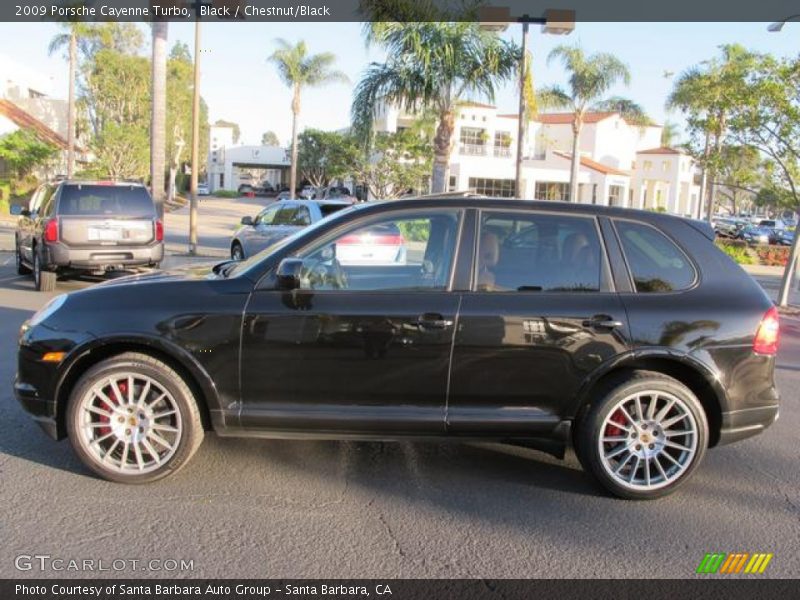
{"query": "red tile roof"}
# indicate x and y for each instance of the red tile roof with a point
(594, 165)
(661, 150)
(566, 118)
(25, 120)
(471, 104)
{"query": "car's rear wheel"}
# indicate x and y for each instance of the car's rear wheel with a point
(21, 268)
(133, 419)
(44, 281)
(237, 252)
(644, 437)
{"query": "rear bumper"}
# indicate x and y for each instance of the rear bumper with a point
(741, 424)
(103, 257)
(43, 410)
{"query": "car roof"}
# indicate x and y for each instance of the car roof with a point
(103, 182)
(704, 227)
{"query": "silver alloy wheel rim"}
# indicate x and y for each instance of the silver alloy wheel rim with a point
(648, 440)
(129, 423)
(238, 254)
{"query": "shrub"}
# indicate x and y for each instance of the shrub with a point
(737, 250)
(226, 194)
(773, 256)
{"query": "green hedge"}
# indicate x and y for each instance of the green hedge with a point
(737, 250)
(226, 194)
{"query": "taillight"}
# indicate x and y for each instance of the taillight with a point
(159, 230)
(51, 231)
(768, 334)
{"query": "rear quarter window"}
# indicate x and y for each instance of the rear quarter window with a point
(105, 200)
(656, 263)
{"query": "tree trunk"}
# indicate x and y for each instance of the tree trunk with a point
(577, 125)
(442, 143)
(158, 115)
(195, 143)
(73, 59)
(295, 117)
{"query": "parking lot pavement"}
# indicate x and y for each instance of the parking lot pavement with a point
(261, 508)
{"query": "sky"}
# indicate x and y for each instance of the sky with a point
(240, 85)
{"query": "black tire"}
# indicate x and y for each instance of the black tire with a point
(237, 252)
(187, 442)
(21, 268)
(602, 419)
(44, 281)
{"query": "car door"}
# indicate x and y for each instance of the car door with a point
(256, 238)
(359, 348)
(542, 317)
(25, 225)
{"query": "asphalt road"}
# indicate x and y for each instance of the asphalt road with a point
(254, 508)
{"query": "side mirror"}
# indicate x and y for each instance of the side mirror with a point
(288, 275)
(247, 220)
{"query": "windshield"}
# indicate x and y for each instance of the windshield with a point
(243, 267)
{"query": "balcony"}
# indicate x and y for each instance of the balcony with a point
(472, 149)
(502, 151)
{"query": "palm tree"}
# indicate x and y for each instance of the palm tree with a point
(432, 66)
(69, 38)
(629, 110)
(669, 134)
(589, 78)
(158, 115)
(299, 69)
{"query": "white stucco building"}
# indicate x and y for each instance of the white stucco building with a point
(230, 165)
(620, 164)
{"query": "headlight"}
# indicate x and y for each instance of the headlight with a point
(49, 309)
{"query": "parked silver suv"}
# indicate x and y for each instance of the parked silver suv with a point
(78, 226)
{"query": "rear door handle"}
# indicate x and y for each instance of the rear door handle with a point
(602, 322)
(433, 321)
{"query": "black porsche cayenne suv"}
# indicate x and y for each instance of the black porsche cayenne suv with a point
(624, 333)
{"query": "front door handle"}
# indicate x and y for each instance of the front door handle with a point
(433, 321)
(602, 322)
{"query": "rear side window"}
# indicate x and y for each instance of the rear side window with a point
(328, 209)
(656, 263)
(528, 252)
(105, 200)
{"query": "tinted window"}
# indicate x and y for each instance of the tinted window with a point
(329, 209)
(656, 263)
(301, 217)
(96, 200)
(538, 253)
(412, 251)
(285, 215)
(267, 215)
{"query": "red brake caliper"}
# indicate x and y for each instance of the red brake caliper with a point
(617, 417)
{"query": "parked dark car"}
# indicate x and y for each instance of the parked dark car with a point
(753, 234)
(540, 323)
(74, 227)
(783, 237)
(277, 221)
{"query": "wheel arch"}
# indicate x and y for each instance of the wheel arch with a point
(698, 377)
(200, 383)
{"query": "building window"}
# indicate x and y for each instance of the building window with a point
(502, 144)
(615, 195)
(648, 164)
(498, 188)
(551, 190)
(665, 166)
(452, 184)
(473, 141)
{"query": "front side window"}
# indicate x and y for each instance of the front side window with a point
(301, 217)
(266, 216)
(537, 253)
(407, 251)
(285, 215)
(655, 262)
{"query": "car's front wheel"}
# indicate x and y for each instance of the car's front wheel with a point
(237, 252)
(133, 419)
(644, 437)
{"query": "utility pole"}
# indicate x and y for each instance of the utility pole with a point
(195, 143)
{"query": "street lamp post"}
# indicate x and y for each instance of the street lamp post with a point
(195, 143)
(792, 263)
(557, 22)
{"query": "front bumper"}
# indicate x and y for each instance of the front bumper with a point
(43, 410)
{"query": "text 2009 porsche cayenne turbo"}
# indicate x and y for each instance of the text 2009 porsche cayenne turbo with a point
(625, 333)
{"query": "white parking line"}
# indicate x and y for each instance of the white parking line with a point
(8, 261)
